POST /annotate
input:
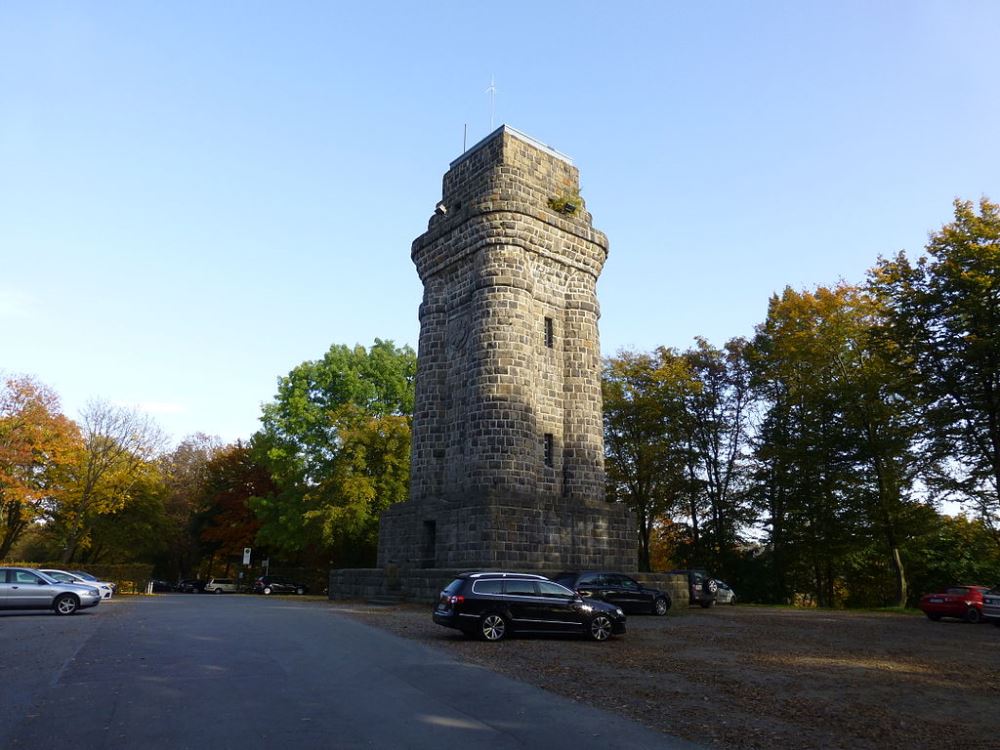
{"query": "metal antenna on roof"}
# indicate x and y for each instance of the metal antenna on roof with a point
(492, 91)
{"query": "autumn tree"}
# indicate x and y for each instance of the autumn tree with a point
(36, 445)
(839, 448)
(137, 531)
(185, 475)
(116, 456)
(231, 477)
(807, 486)
(337, 441)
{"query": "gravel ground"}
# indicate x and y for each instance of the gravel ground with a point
(756, 677)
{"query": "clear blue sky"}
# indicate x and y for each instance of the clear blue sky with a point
(196, 197)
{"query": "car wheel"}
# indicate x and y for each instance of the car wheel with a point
(660, 606)
(932, 616)
(493, 627)
(709, 603)
(973, 615)
(711, 586)
(732, 601)
(268, 591)
(600, 628)
(66, 604)
(300, 591)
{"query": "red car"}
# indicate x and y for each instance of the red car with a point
(963, 602)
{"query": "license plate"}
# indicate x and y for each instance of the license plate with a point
(935, 600)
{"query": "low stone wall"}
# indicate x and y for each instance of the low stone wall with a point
(420, 585)
(423, 585)
(673, 583)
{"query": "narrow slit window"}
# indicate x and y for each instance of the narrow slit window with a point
(548, 449)
(549, 333)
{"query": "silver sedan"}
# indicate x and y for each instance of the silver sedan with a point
(24, 588)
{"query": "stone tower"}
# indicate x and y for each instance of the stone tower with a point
(507, 460)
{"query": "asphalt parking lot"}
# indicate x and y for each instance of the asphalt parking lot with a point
(237, 671)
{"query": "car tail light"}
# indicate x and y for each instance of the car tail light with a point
(453, 600)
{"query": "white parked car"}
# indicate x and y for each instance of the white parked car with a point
(104, 588)
(725, 594)
(221, 586)
(94, 579)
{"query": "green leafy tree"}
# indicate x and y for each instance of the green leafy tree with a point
(717, 406)
(644, 431)
(337, 442)
(946, 316)
(954, 550)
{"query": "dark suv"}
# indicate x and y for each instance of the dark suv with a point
(491, 605)
(278, 585)
(616, 588)
(702, 588)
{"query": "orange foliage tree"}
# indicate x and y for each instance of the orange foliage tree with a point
(37, 443)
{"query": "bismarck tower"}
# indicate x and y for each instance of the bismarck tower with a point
(508, 460)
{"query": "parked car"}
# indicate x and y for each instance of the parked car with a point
(221, 586)
(268, 585)
(724, 593)
(191, 586)
(702, 588)
(618, 589)
(991, 605)
(962, 602)
(64, 576)
(161, 587)
(491, 605)
(94, 579)
(23, 588)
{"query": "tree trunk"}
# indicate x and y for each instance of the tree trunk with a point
(644, 531)
(902, 588)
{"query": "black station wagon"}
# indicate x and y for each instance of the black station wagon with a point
(491, 605)
(616, 588)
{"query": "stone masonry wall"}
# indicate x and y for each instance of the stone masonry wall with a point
(496, 263)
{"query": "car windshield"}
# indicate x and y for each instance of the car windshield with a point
(957, 590)
(84, 576)
(454, 586)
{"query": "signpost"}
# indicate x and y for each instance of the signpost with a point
(246, 555)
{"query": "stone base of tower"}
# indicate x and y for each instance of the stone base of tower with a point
(508, 533)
